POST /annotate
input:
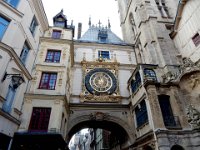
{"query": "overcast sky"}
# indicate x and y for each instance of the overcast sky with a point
(81, 10)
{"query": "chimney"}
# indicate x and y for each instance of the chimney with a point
(79, 30)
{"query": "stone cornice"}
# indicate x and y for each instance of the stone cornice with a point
(90, 44)
(44, 96)
(121, 66)
(47, 66)
(52, 40)
(99, 106)
(9, 117)
(41, 14)
(17, 60)
(97, 63)
(15, 11)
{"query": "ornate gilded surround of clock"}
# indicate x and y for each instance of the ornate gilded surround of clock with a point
(100, 83)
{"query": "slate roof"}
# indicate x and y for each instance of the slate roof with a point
(91, 35)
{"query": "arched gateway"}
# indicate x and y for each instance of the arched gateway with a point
(100, 119)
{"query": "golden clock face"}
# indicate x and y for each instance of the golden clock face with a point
(100, 81)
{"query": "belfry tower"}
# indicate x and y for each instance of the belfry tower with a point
(163, 86)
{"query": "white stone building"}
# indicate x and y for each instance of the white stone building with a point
(143, 90)
(22, 23)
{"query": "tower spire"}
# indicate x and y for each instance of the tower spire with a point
(109, 26)
(99, 23)
(89, 22)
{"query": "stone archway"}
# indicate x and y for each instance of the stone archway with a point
(119, 127)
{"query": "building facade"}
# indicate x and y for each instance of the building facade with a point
(144, 91)
(164, 85)
(22, 23)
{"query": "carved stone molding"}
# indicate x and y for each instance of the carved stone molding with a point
(174, 139)
(101, 98)
(187, 66)
(99, 116)
(169, 76)
(99, 63)
(193, 117)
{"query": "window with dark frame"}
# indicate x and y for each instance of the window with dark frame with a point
(33, 25)
(53, 56)
(56, 34)
(141, 113)
(48, 81)
(104, 54)
(3, 26)
(40, 119)
(13, 3)
(168, 117)
(150, 74)
(24, 52)
(196, 39)
(135, 84)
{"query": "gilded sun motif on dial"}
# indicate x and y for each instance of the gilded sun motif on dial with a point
(100, 81)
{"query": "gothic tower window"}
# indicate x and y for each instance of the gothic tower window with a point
(168, 117)
(133, 26)
(162, 8)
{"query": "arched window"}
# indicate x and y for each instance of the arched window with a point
(177, 147)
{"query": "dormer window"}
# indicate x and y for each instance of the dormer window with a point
(60, 22)
(102, 36)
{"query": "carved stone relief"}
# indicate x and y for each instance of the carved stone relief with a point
(193, 117)
(174, 140)
(99, 116)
